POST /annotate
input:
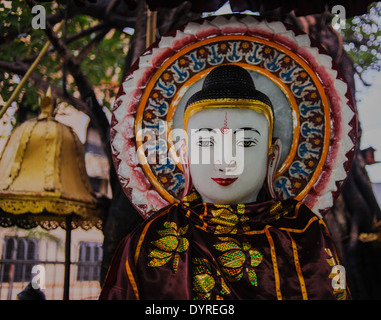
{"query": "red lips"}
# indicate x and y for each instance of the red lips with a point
(224, 181)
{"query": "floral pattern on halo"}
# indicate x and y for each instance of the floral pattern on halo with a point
(251, 53)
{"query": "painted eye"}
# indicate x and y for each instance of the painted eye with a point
(205, 143)
(246, 143)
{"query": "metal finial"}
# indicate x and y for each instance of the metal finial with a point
(47, 105)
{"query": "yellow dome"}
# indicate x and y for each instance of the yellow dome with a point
(42, 172)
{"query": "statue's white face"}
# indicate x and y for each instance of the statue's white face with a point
(228, 153)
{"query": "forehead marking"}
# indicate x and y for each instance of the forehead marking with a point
(225, 129)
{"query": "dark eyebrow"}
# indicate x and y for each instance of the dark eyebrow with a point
(208, 129)
(247, 128)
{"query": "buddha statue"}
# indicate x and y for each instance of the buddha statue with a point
(229, 237)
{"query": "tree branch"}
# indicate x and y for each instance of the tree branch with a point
(115, 13)
(90, 46)
(86, 32)
(84, 87)
(71, 39)
(20, 68)
(56, 17)
(366, 84)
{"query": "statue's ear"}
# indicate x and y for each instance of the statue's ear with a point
(183, 155)
(273, 160)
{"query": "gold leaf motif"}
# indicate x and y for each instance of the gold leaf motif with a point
(183, 245)
(203, 283)
(167, 243)
(170, 229)
(232, 259)
(170, 224)
(201, 261)
(224, 217)
(252, 276)
(241, 208)
(204, 280)
(246, 246)
(226, 206)
(225, 289)
(158, 262)
(224, 246)
(229, 239)
(183, 230)
(232, 274)
(175, 262)
(190, 197)
(223, 230)
(256, 258)
(166, 232)
(156, 253)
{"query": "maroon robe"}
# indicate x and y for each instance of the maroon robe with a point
(193, 250)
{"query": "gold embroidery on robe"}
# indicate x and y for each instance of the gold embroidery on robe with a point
(204, 281)
(169, 245)
(234, 258)
(340, 293)
(226, 220)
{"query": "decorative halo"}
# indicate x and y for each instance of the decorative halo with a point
(315, 117)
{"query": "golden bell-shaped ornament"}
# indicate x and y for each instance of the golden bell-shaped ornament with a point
(42, 172)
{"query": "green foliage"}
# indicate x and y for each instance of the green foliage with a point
(103, 66)
(18, 39)
(20, 43)
(362, 39)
